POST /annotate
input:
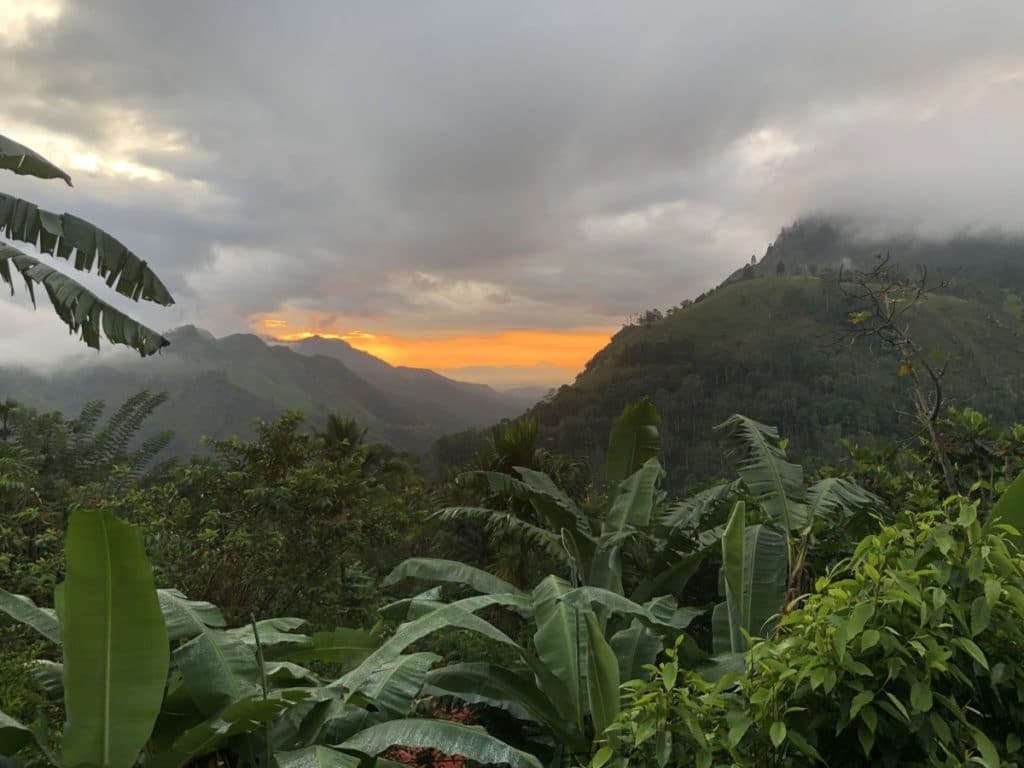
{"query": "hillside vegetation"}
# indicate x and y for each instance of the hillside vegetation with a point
(772, 346)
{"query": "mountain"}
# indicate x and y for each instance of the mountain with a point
(217, 387)
(766, 344)
(435, 398)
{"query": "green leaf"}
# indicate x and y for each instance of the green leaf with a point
(634, 647)
(777, 733)
(601, 757)
(634, 501)
(239, 718)
(860, 701)
(395, 685)
(777, 483)
(344, 646)
(187, 618)
(218, 670)
(23, 610)
(558, 642)
(989, 753)
(754, 566)
(869, 639)
(1009, 510)
(315, 757)
(981, 615)
(921, 696)
(82, 311)
(602, 677)
(26, 162)
(973, 650)
(437, 571)
(502, 688)
(858, 618)
(13, 735)
(455, 615)
(835, 497)
(634, 439)
(447, 737)
(115, 643)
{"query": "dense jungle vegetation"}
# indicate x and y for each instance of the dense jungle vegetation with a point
(305, 597)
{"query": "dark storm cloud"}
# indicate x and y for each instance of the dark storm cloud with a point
(533, 163)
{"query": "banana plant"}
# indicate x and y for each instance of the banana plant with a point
(152, 678)
(564, 685)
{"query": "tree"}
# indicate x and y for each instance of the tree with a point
(64, 236)
(888, 297)
(780, 269)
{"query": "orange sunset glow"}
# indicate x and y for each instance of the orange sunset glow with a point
(569, 350)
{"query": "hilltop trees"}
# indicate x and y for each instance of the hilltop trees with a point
(85, 247)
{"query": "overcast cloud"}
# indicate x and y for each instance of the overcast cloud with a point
(445, 167)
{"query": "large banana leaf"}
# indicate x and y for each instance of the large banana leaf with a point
(541, 484)
(435, 570)
(1009, 510)
(635, 501)
(26, 162)
(777, 483)
(64, 235)
(243, 716)
(754, 567)
(187, 618)
(115, 643)
(501, 688)
(587, 597)
(315, 757)
(342, 646)
(459, 614)
(634, 647)
(81, 310)
(685, 516)
(559, 644)
(23, 610)
(394, 686)
(497, 521)
(673, 579)
(217, 670)
(277, 631)
(602, 677)
(634, 439)
(450, 738)
(832, 497)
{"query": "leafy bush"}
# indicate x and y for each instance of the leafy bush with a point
(904, 655)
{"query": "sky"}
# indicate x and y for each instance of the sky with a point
(491, 189)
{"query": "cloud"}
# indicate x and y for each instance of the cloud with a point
(469, 166)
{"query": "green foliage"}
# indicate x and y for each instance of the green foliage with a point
(287, 523)
(904, 655)
(65, 236)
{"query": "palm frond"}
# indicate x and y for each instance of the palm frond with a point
(81, 310)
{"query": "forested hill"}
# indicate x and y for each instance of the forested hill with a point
(217, 387)
(765, 344)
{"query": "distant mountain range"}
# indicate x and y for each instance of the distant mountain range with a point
(217, 387)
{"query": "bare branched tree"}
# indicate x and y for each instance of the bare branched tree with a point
(888, 296)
